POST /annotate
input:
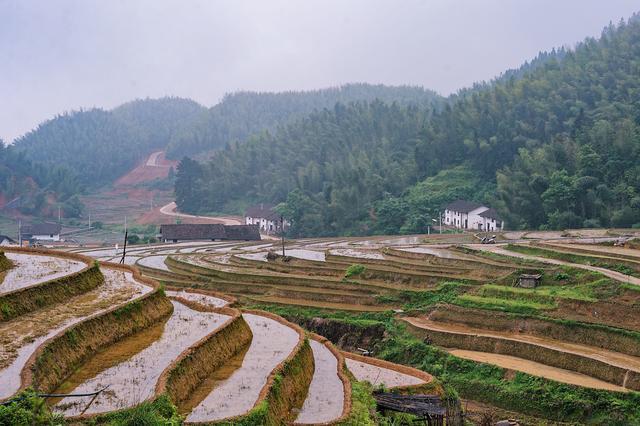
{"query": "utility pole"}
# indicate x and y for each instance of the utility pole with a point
(282, 233)
(89, 220)
(440, 218)
(59, 215)
(20, 232)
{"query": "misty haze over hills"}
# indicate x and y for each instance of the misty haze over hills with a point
(68, 54)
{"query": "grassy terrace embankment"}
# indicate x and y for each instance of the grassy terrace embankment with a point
(515, 391)
(624, 266)
(5, 263)
(57, 358)
(32, 297)
(199, 361)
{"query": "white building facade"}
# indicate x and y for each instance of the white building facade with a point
(265, 216)
(468, 215)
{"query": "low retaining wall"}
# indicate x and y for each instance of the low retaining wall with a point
(186, 269)
(544, 355)
(59, 356)
(27, 299)
(614, 257)
(199, 361)
(618, 340)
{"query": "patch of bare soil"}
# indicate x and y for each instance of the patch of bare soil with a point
(619, 311)
(156, 166)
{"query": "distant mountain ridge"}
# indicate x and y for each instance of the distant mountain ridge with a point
(242, 114)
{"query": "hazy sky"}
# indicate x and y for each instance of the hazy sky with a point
(60, 55)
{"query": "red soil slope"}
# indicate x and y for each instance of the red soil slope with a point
(154, 167)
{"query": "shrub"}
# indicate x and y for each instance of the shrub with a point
(355, 269)
(28, 409)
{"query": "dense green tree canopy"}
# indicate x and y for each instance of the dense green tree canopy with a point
(556, 144)
(242, 114)
(99, 146)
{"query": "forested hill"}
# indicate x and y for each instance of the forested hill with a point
(35, 189)
(242, 114)
(555, 146)
(99, 146)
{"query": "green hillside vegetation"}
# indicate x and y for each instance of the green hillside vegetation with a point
(31, 187)
(242, 114)
(554, 146)
(330, 167)
(99, 146)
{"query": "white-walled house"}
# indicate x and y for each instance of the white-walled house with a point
(463, 214)
(41, 232)
(265, 216)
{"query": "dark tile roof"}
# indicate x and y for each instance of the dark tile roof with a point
(209, 231)
(41, 229)
(462, 206)
(265, 211)
(491, 214)
(242, 232)
(6, 237)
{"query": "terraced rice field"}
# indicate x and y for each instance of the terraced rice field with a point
(325, 399)
(30, 269)
(460, 299)
(377, 375)
(22, 336)
(133, 379)
(536, 369)
(237, 394)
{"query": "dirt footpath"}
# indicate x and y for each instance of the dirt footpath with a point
(536, 369)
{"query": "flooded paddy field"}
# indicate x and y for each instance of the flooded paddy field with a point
(203, 299)
(357, 253)
(130, 375)
(32, 269)
(155, 262)
(325, 399)
(20, 337)
(237, 394)
(376, 375)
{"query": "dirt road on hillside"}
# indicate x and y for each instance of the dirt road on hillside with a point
(497, 249)
(170, 210)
